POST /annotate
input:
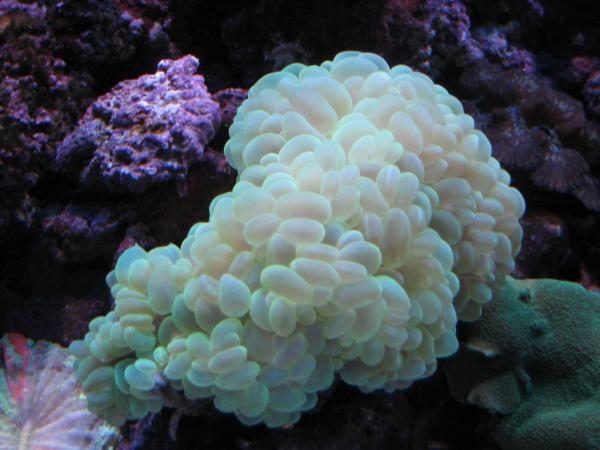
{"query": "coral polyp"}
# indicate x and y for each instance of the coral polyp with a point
(368, 216)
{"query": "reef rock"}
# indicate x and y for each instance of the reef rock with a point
(145, 131)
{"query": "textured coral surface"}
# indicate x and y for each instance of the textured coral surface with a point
(173, 117)
(533, 358)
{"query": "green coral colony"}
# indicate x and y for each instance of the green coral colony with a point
(367, 218)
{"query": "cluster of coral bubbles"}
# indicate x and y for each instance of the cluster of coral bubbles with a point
(367, 218)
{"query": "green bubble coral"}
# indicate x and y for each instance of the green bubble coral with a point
(367, 216)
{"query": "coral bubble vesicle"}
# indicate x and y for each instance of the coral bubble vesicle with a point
(368, 217)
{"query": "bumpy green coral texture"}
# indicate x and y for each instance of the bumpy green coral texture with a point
(367, 216)
(534, 357)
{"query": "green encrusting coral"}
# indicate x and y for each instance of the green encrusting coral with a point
(534, 357)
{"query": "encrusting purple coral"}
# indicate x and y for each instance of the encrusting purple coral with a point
(145, 131)
(40, 99)
(229, 100)
(78, 233)
(94, 33)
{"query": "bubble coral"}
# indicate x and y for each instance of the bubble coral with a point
(367, 215)
(41, 406)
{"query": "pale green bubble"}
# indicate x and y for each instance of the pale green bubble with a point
(286, 399)
(339, 324)
(225, 335)
(364, 253)
(146, 365)
(177, 345)
(198, 345)
(285, 282)
(261, 227)
(302, 369)
(139, 379)
(178, 366)
(182, 317)
(358, 294)
(166, 331)
(316, 272)
(139, 321)
(291, 351)
(102, 376)
(99, 400)
(302, 231)
(138, 408)
(127, 258)
(162, 291)
(139, 341)
(139, 274)
(206, 314)
(260, 146)
(259, 311)
(282, 317)
(201, 379)
(194, 392)
(446, 345)
(257, 398)
(228, 401)
(161, 356)
(227, 360)
(306, 205)
(368, 320)
(120, 381)
(240, 378)
(234, 296)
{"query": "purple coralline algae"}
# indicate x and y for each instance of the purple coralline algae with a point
(450, 34)
(229, 101)
(77, 233)
(92, 33)
(40, 99)
(144, 131)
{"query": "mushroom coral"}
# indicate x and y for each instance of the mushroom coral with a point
(368, 215)
(41, 406)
